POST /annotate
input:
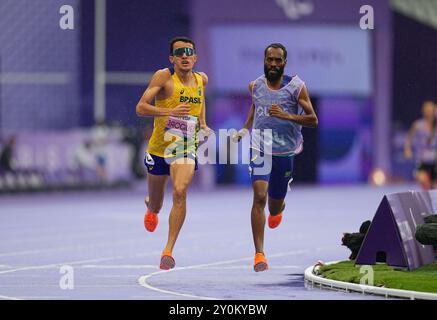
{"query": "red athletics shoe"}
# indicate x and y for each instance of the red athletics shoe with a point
(260, 263)
(150, 221)
(275, 220)
(167, 261)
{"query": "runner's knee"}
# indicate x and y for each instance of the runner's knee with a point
(180, 191)
(260, 198)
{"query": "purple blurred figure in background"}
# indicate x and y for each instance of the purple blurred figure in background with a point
(421, 142)
(7, 154)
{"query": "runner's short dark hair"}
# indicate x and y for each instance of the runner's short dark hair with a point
(183, 39)
(276, 46)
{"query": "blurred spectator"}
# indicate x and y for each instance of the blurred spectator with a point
(137, 140)
(100, 136)
(6, 157)
(85, 161)
(421, 142)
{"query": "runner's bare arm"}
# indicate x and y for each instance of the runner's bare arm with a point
(202, 118)
(144, 107)
(309, 119)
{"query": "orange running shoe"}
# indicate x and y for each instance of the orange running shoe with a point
(150, 221)
(275, 220)
(260, 263)
(167, 261)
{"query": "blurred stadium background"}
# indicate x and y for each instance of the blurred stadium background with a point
(66, 94)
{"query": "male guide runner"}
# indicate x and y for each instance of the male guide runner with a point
(280, 103)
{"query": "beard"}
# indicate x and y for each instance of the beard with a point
(275, 76)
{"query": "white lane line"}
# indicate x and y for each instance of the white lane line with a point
(97, 285)
(76, 247)
(30, 285)
(244, 267)
(113, 276)
(143, 279)
(42, 298)
(135, 266)
(39, 251)
(143, 282)
(33, 238)
(56, 265)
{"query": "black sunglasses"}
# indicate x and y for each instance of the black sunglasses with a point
(179, 52)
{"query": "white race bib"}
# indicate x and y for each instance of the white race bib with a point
(182, 126)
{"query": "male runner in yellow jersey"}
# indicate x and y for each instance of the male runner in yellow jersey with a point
(179, 113)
